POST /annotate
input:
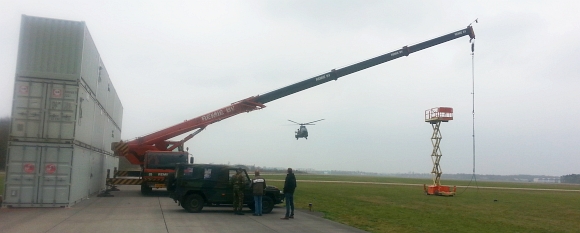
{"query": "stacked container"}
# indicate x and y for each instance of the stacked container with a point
(65, 115)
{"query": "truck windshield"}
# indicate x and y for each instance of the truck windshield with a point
(165, 161)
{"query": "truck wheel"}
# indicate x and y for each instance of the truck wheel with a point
(145, 189)
(193, 203)
(267, 204)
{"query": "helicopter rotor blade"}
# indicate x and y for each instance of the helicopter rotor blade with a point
(294, 122)
(312, 122)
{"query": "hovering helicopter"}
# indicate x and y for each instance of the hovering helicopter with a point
(302, 132)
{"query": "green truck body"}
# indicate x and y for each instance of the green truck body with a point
(194, 186)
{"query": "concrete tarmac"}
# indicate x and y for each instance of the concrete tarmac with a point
(129, 211)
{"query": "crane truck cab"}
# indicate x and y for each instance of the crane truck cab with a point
(194, 186)
(157, 166)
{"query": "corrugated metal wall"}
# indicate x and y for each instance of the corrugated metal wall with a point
(65, 114)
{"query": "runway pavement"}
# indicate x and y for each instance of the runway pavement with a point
(129, 211)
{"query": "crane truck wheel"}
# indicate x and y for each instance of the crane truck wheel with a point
(193, 203)
(145, 189)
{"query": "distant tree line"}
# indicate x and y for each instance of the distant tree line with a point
(571, 179)
(251, 168)
(4, 131)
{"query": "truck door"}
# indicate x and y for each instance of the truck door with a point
(248, 192)
(211, 184)
(217, 185)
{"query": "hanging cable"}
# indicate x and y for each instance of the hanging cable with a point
(473, 176)
(473, 108)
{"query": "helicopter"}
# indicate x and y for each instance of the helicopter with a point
(302, 132)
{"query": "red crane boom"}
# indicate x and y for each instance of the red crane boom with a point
(158, 141)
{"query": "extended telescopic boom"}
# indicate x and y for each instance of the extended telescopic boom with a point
(335, 74)
(158, 141)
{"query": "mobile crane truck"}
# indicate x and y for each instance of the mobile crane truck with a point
(143, 150)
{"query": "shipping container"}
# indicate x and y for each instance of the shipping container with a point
(59, 49)
(61, 112)
(63, 92)
(50, 48)
(44, 110)
(65, 115)
(53, 175)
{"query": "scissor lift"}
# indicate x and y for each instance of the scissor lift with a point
(435, 116)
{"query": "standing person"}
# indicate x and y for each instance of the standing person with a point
(258, 186)
(239, 183)
(289, 187)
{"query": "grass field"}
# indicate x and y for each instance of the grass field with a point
(392, 205)
(405, 208)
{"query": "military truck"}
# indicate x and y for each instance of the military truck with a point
(194, 186)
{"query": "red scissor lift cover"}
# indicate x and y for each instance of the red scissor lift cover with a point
(444, 114)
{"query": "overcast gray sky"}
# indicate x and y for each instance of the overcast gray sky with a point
(175, 61)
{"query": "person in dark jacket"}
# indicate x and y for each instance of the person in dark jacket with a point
(289, 187)
(258, 186)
